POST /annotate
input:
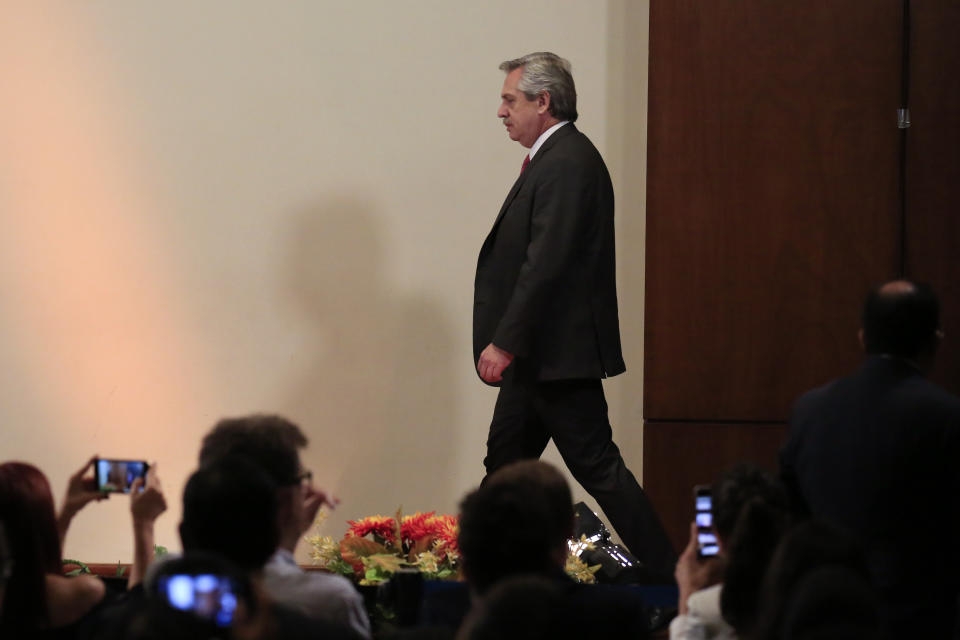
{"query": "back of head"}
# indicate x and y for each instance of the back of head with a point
(547, 72)
(550, 483)
(901, 318)
(750, 515)
(27, 511)
(832, 603)
(738, 486)
(522, 607)
(805, 548)
(269, 441)
(194, 596)
(518, 522)
(230, 508)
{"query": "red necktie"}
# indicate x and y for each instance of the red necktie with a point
(526, 161)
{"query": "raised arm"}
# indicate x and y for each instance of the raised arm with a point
(146, 505)
(81, 490)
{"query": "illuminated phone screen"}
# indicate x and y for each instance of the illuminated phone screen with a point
(116, 476)
(207, 596)
(707, 544)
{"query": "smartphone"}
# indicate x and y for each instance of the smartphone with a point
(211, 597)
(707, 545)
(116, 476)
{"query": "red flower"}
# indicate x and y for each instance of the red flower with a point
(380, 526)
(447, 529)
(416, 527)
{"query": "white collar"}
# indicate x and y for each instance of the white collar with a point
(543, 138)
(284, 556)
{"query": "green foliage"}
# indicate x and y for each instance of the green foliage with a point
(380, 567)
(341, 567)
(444, 574)
(81, 567)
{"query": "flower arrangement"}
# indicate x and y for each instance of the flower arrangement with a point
(375, 547)
(575, 567)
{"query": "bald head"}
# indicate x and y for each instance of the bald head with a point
(896, 288)
(902, 319)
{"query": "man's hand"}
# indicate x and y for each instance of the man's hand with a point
(313, 499)
(81, 489)
(694, 573)
(493, 360)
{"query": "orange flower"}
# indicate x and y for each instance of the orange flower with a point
(417, 526)
(380, 526)
(447, 530)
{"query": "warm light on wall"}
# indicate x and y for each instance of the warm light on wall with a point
(82, 242)
(271, 208)
(89, 304)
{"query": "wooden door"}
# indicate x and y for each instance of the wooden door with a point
(772, 205)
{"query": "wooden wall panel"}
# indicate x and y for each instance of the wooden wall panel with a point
(933, 169)
(677, 456)
(772, 198)
(773, 203)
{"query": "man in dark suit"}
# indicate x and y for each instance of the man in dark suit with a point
(878, 453)
(545, 325)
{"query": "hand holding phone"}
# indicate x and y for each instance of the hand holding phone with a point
(117, 476)
(707, 544)
(210, 597)
(147, 501)
(81, 489)
(207, 587)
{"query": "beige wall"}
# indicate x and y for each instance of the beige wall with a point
(223, 207)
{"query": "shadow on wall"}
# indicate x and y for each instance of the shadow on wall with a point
(377, 397)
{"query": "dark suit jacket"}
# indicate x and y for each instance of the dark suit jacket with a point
(545, 288)
(879, 453)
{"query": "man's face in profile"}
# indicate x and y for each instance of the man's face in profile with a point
(520, 115)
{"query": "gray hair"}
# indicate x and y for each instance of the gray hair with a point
(547, 72)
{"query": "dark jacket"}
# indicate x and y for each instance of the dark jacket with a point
(545, 288)
(878, 453)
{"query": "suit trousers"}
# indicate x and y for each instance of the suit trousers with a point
(573, 413)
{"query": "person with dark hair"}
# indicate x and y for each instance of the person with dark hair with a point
(520, 608)
(198, 596)
(818, 585)
(876, 452)
(273, 444)
(545, 319)
(512, 525)
(40, 602)
(230, 509)
(832, 603)
(718, 596)
(518, 523)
